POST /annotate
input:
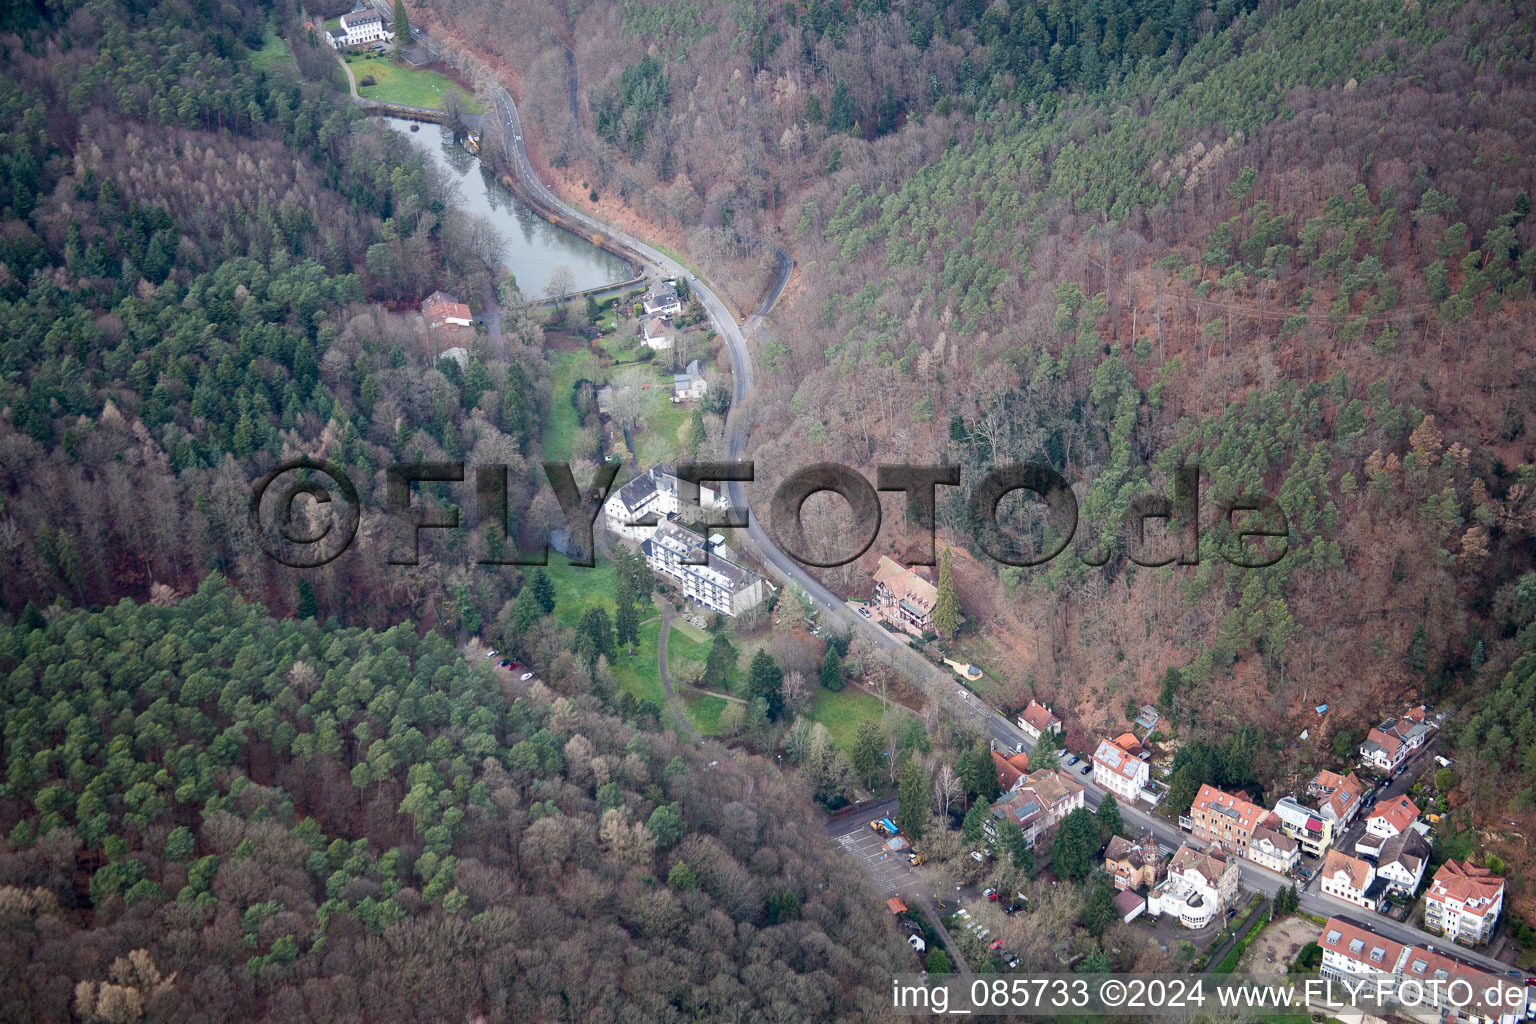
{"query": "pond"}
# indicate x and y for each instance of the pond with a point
(534, 246)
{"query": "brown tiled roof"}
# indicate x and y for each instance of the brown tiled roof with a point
(1209, 864)
(906, 584)
(1339, 793)
(1358, 870)
(1007, 774)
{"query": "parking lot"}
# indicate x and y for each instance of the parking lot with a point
(889, 871)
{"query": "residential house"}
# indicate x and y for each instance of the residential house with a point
(1441, 983)
(447, 318)
(689, 385)
(661, 300)
(1388, 818)
(1402, 861)
(1270, 848)
(1009, 774)
(1035, 803)
(1312, 829)
(358, 28)
(1200, 885)
(634, 510)
(1134, 863)
(1224, 819)
(1118, 767)
(1351, 879)
(704, 571)
(1390, 744)
(903, 597)
(1338, 797)
(658, 334)
(1463, 903)
(1037, 719)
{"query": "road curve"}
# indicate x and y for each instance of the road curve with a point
(939, 683)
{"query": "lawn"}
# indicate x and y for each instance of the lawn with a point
(661, 438)
(683, 648)
(842, 713)
(704, 711)
(273, 53)
(577, 590)
(565, 369)
(405, 85)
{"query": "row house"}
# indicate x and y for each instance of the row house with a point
(1225, 820)
(1426, 978)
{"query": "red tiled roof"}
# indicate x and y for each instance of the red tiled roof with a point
(1007, 774)
(1399, 812)
(1249, 814)
(1475, 887)
(1039, 716)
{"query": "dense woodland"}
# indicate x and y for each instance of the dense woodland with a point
(1290, 242)
(274, 820)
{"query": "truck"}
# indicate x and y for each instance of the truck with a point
(885, 825)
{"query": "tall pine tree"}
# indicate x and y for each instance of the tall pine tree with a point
(946, 612)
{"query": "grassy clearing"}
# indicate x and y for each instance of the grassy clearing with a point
(843, 712)
(704, 711)
(562, 426)
(272, 55)
(576, 591)
(405, 85)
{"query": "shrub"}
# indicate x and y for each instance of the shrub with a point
(366, 81)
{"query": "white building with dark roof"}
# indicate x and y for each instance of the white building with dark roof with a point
(634, 510)
(661, 300)
(701, 569)
(358, 28)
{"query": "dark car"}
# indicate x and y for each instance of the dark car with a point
(505, 663)
(1086, 769)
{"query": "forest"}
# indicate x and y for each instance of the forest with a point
(302, 822)
(1288, 242)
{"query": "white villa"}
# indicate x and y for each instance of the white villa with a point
(358, 28)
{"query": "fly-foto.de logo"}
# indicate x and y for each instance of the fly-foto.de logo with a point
(308, 535)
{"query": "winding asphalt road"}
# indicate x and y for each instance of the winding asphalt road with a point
(939, 683)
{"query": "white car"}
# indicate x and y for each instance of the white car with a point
(526, 676)
(964, 694)
(491, 654)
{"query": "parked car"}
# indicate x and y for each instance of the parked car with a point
(1013, 964)
(505, 663)
(1086, 769)
(916, 942)
(526, 676)
(990, 894)
(491, 653)
(1072, 760)
(963, 694)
